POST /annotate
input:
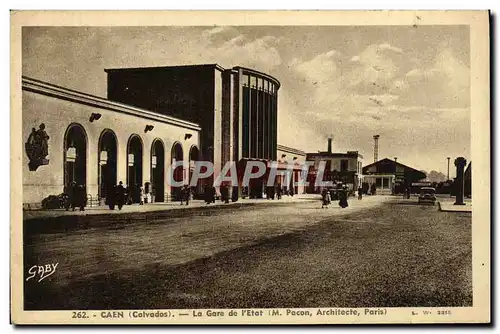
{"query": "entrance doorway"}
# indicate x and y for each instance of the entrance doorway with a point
(134, 167)
(194, 155)
(75, 157)
(107, 163)
(177, 173)
(158, 170)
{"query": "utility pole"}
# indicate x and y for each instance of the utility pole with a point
(375, 148)
(448, 176)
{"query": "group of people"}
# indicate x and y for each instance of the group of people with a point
(185, 194)
(75, 197)
(210, 194)
(117, 196)
(342, 194)
(277, 192)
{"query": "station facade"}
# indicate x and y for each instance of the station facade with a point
(151, 118)
(96, 143)
(236, 109)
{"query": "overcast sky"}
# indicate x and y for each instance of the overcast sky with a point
(409, 85)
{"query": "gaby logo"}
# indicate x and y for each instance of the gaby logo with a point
(42, 272)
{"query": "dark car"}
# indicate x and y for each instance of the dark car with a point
(427, 195)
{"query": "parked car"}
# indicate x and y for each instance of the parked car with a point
(427, 195)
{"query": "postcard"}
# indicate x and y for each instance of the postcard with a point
(250, 167)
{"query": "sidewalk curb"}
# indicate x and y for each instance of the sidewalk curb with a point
(65, 223)
(466, 209)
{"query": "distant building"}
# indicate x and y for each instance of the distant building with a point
(390, 176)
(340, 167)
(290, 156)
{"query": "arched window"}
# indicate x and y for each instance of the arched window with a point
(158, 170)
(134, 167)
(75, 156)
(107, 162)
(177, 173)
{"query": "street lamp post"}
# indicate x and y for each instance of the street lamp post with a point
(448, 176)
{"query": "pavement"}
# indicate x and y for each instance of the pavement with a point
(152, 207)
(173, 237)
(449, 206)
(379, 252)
(164, 206)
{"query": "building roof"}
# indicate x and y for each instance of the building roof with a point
(45, 88)
(216, 66)
(152, 68)
(348, 154)
(290, 150)
(387, 160)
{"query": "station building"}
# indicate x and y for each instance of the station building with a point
(151, 118)
(236, 109)
(390, 176)
(96, 143)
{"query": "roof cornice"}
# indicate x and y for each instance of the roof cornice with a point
(259, 73)
(290, 150)
(48, 89)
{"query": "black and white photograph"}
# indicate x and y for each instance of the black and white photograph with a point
(204, 172)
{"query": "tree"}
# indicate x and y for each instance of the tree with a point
(435, 176)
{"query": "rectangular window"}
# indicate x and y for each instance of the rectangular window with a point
(244, 80)
(253, 124)
(253, 82)
(246, 122)
(344, 164)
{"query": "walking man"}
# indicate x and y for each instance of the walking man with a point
(325, 198)
(111, 196)
(120, 195)
(186, 194)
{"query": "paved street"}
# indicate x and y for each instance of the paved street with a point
(380, 251)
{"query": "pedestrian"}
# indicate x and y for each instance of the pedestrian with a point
(325, 198)
(343, 199)
(120, 195)
(141, 194)
(214, 194)
(82, 197)
(111, 196)
(278, 191)
(128, 195)
(73, 195)
(224, 193)
(186, 194)
(360, 193)
(70, 193)
(207, 194)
